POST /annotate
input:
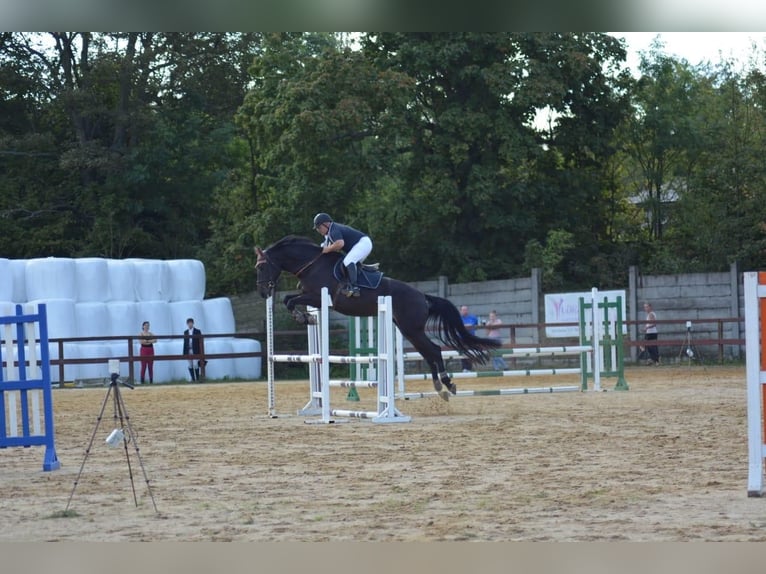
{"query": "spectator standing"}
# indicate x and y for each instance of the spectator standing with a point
(498, 362)
(470, 322)
(147, 340)
(650, 334)
(192, 346)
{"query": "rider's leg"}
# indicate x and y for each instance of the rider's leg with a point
(357, 254)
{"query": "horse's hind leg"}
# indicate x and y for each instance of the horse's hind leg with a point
(432, 353)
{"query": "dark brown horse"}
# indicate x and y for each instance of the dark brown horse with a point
(413, 310)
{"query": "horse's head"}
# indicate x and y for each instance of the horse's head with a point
(267, 274)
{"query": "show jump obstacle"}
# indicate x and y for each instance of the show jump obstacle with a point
(600, 351)
(755, 327)
(23, 382)
(319, 361)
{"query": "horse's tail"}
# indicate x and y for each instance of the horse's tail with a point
(445, 320)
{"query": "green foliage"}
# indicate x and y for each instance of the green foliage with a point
(206, 144)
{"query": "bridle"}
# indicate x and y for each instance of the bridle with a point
(263, 258)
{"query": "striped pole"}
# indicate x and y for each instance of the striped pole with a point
(487, 374)
(755, 327)
(496, 392)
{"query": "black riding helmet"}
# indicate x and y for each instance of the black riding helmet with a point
(321, 218)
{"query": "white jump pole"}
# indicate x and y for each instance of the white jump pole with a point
(596, 330)
(755, 317)
(272, 407)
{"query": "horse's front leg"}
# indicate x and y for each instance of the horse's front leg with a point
(301, 317)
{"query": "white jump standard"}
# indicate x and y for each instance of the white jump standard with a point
(755, 330)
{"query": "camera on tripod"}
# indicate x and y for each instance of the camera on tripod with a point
(688, 326)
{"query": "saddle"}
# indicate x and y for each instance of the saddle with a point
(368, 275)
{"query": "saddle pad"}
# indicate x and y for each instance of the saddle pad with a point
(365, 279)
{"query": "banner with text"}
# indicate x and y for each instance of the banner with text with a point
(565, 308)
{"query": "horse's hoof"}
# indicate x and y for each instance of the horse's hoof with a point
(444, 395)
(311, 320)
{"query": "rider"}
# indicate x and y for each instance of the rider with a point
(353, 243)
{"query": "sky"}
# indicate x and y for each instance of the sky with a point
(697, 47)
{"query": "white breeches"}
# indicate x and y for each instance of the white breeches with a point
(359, 252)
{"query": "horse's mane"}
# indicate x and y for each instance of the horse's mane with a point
(292, 241)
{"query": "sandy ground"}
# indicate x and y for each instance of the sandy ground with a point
(664, 461)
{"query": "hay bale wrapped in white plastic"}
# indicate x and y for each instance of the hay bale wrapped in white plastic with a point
(98, 352)
(122, 280)
(18, 268)
(119, 350)
(152, 279)
(219, 368)
(71, 372)
(92, 279)
(187, 280)
(180, 311)
(6, 283)
(158, 315)
(123, 319)
(51, 278)
(7, 308)
(92, 319)
(62, 320)
(219, 316)
(165, 371)
(246, 368)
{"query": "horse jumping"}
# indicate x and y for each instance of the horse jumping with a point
(413, 310)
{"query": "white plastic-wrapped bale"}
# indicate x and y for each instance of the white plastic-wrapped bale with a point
(170, 370)
(6, 283)
(119, 350)
(219, 316)
(219, 368)
(7, 308)
(92, 319)
(62, 320)
(180, 311)
(187, 280)
(92, 279)
(152, 279)
(245, 367)
(71, 372)
(51, 278)
(99, 352)
(158, 315)
(123, 320)
(18, 268)
(122, 281)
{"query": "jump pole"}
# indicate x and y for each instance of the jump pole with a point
(755, 351)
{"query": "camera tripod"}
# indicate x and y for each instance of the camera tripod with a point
(689, 349)
(125, 434)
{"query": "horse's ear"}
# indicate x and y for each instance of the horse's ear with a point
(258, 251)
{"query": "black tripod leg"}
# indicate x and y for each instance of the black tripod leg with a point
(131, 436)
(118, 414)
(90, 445)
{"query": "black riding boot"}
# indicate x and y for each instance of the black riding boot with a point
(191, 373)
(196, 372)
(352, 290)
